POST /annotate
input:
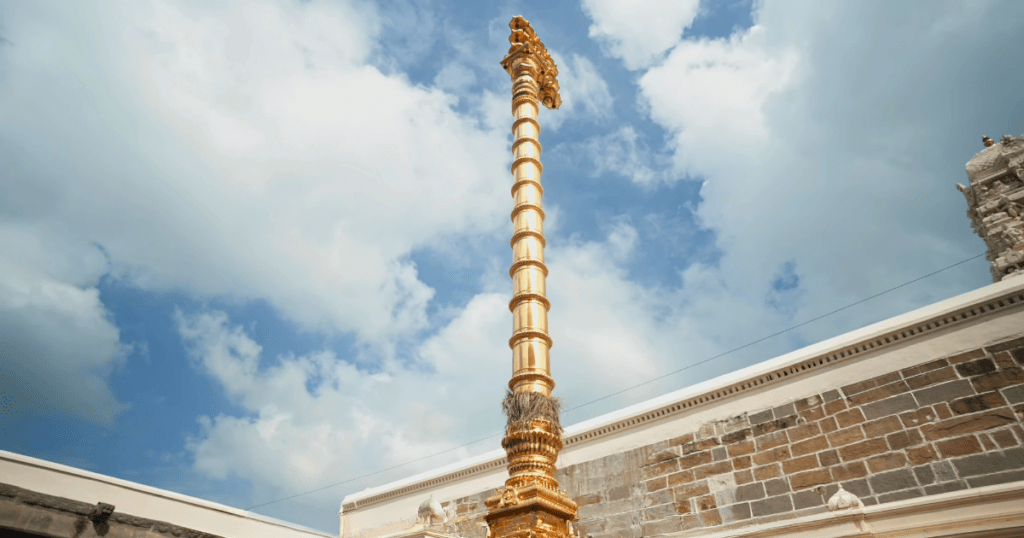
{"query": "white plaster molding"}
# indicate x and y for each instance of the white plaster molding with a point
(140, 500)
(957, 312)
(990, 511)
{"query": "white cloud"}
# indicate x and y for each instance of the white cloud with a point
(639, 31)
(584, 92)
(273, 163)
(815, 147)
(622, 152)
(58, 347)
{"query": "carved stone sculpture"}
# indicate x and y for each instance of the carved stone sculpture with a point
(995, 201)
(430, 513)
(844, 500)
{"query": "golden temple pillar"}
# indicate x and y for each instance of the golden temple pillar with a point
(530, 505)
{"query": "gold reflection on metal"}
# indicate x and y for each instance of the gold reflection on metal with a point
(531, 504)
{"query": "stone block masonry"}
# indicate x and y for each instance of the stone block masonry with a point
(948, 424)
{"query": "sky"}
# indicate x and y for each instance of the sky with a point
(251, 249)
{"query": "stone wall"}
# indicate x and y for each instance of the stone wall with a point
(945, 425)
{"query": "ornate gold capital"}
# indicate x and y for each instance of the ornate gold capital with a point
(528, 56)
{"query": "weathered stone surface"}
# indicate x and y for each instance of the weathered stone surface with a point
(850, 417)
(662, 469)
(763, 416)
(1007, 345)
(846, 436)
(777, 486)
(966, 356)
(681, 440)
(750, 492)
(774, 455)
(976, 367)
(767, 471)
(772, 505)
(772, 440)
(922, 454)
(890, 406)
(663, 496)
(992, 462)
(863, 449)
(882, 426)
(944, 392)
(904, 439)
(967, 424)
(778, 424)
(879, 393)
(809, 479)
(1003, 359)
(960, 446)
(917, 417)
(997, 478)
(736, 436)
(998, 380)
(809, 446)
(705, 471)
(705, 503)
(682, 477)
(812, 414)
(831, 396)
(930, 378)
(828, 458)
(784, 411)
(925, 475)
(796, 465)
(837, 406)
(924, 368)
(1014, 394)
(742, 462)
(735, 512)
(849, 471)
(900, 495)
(859, 488)
(945, 487)
(807, 499)
(654, 513)
(886, 462)
(892, 481)
(693, 460)
(856, 388)
(944, 471)
(1004, 438)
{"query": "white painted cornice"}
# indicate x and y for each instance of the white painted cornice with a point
(957, 312)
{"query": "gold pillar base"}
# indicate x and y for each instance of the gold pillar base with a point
(530, 512)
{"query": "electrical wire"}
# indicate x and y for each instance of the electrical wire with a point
(629, 388)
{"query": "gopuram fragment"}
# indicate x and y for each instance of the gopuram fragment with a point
(530, 505)
(995, 200)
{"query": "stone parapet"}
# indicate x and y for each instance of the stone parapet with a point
(948, 424)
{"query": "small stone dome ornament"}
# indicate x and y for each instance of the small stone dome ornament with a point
(430, 513)
(844, 500)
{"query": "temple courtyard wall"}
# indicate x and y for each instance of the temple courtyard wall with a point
(919, 416)
(42, 498)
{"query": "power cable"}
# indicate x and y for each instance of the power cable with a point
(629, 388)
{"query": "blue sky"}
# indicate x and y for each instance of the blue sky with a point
(251, 249)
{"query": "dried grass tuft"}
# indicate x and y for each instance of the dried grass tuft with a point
(522, 407)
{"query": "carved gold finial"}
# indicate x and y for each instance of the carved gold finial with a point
(528, 53)
(533, 433)
(987, 141)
